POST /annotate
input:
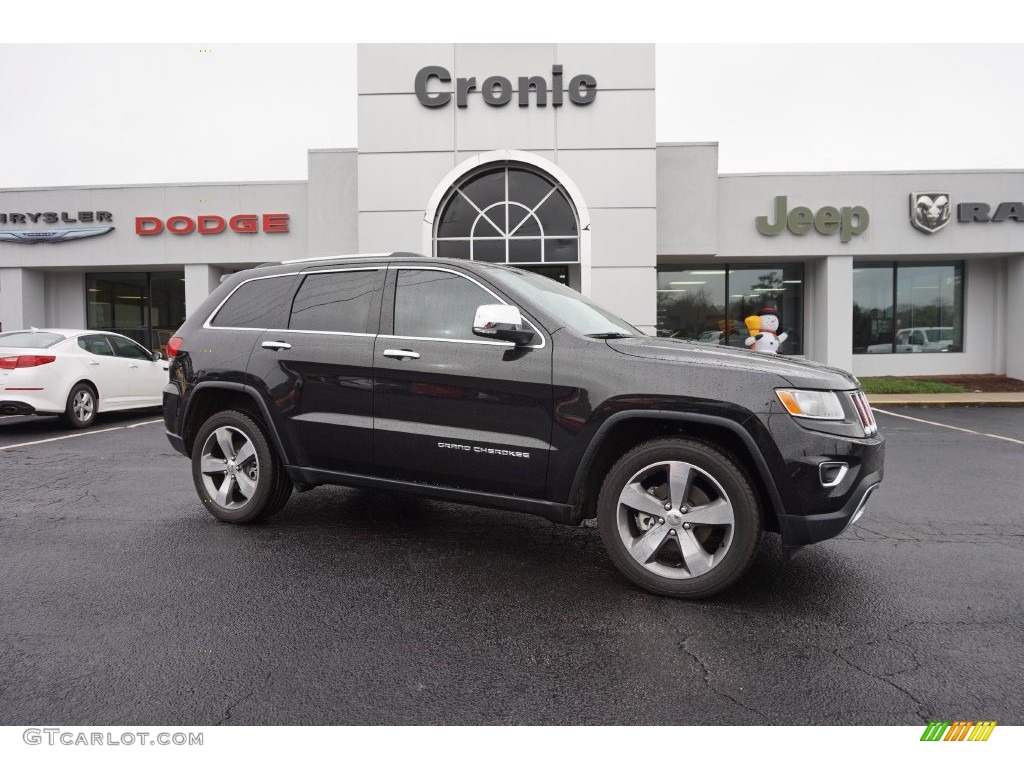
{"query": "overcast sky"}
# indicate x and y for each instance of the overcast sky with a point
(112, 114)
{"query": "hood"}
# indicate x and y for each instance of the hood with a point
(799, 373)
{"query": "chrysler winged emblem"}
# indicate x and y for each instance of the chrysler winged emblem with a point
(929, 211)
(50, 235)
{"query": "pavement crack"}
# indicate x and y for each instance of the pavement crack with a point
(242, 699)
(712, 689)
(838, 653)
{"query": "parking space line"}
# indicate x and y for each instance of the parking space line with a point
(949, 426)
(77, 434)
(144, 423)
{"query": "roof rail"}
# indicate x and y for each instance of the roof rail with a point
(353, 256)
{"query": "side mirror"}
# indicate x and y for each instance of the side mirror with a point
(502, 322)
(157, 357)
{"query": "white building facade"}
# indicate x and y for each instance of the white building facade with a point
(544, 157)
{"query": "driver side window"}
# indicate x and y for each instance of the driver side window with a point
(437, 305)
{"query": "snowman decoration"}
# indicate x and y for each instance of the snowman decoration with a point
(764, 331)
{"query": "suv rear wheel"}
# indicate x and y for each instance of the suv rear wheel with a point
(238, 477)
(678, 517)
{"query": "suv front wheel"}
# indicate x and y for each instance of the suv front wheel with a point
(236, 473)
(679, 517)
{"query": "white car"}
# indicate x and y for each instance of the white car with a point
(76, 374)
(935, 339)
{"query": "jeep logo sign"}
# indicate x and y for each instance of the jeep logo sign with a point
(827, 220)
(497, 90)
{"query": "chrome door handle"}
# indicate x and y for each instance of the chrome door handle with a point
(402, 354)
(132, 365)
(276, 345)
(94, 363)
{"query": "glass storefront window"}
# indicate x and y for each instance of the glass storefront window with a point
(760, 288)
(709, 304)
(908, 308)
(145, 306)
(691, 304)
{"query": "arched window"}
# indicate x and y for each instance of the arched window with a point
(511, 214)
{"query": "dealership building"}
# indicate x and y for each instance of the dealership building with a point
(544, 157)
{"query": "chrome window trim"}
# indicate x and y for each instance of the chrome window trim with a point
(543, 340)
(339, 256)
(318, 333)
(217, 309)
(507, 344)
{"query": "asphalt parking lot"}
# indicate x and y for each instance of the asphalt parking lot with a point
(124, 602)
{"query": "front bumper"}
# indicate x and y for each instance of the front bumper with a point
(817, 504)
(800, 530)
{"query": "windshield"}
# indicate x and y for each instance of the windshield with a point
(572, 308)
(29, 339)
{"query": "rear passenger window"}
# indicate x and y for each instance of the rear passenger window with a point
(96, 345)
(256, 304)
(335, 301)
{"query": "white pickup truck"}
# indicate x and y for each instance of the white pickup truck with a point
(936, 339)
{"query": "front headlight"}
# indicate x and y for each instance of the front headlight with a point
(811, 404)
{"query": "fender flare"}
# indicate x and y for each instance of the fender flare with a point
(774, 497)
(251, 391)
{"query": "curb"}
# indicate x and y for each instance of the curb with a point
(1012, 399)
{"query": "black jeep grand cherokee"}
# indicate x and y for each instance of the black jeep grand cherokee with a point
(485, 384)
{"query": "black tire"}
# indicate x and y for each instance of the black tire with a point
(718, 489)
(258, 486)
(82, 406)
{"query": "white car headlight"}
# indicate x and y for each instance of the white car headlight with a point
(811, 404)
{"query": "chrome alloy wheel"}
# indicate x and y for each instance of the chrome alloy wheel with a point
(675, 519)
(83, 405)
(230, 467)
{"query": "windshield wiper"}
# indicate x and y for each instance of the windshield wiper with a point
(610, 335)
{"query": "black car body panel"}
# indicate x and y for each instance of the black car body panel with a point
(517, 427)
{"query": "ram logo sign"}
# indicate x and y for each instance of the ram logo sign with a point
(929, 211)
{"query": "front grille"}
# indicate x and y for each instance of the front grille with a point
(863, 408)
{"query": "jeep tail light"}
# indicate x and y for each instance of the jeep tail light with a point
(173, 346)
(25, 361)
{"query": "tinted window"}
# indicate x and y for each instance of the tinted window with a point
(96, 345)
(334, 301)
(126, 348)
(29, 339)
(438, 305)
(258, 303)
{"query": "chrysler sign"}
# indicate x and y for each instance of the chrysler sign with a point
(51, 235)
